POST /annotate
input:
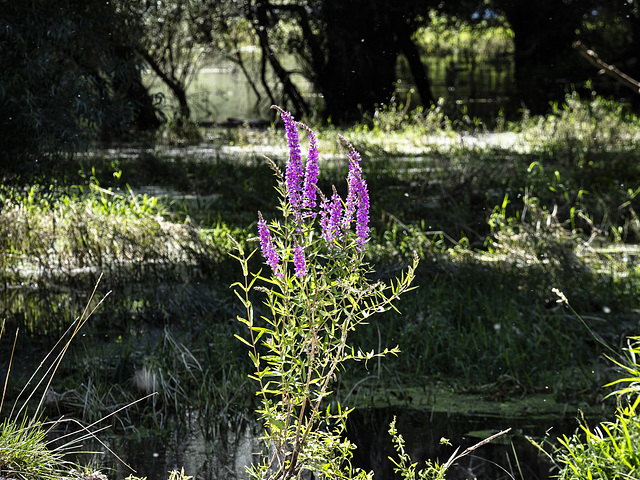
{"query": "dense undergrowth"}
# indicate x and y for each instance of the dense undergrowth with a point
(497, 226)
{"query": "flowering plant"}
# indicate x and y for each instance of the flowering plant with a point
(318, 289)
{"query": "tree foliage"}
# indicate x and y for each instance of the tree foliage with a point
(67, 75)
(174, 37)
(70, 71)
(347, 50)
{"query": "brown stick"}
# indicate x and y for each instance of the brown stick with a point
(593, 58)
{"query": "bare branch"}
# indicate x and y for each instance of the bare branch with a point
(606, 69)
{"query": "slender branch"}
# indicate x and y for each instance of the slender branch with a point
(606, 69)
(237, 59)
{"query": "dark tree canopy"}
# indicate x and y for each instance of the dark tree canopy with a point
(67, 75)
(613, 30)
(348, 50)
(70, 70)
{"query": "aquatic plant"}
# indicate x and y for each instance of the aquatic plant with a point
(318, 290)
(610, 450)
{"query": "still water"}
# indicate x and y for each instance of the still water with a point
(235, 442)
(221, 91)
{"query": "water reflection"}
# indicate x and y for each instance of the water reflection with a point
(226, 454)
(233, 446)
(422, 430)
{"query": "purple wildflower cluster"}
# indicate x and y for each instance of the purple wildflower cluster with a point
(266, 245)
(301, 186)
(299, 261)
(336, 216)
(359, 195)
(330, 215)
(311, 175)
(293, 172)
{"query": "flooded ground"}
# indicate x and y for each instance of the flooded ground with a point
(224, 450)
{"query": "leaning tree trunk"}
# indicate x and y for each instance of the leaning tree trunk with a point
(146, 113)
(418, 69)
(259, 13)
(177, 89)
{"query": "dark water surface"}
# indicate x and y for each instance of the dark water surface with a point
(234, 444)
(422, 430)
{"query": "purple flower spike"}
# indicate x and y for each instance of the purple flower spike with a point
(266, 245)
(362, 216)
(293, 173)
(299, 262)
(354, 180)
(330, 213)
(311, 173)
(336, 213)
(359, 186)
(324, 217)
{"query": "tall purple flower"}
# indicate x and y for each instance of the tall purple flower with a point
(330, 214)
(336, 213)
(324, 216)
(293, 172)
(357, 202)
(362, 216)
(266, 245)
(354, 179)
(299, 261)
(311, 174)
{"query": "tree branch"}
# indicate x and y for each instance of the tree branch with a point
(606, 69)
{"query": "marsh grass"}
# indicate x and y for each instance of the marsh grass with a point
(496, 228)
(25, 448)
(59, 235)
(580, 130)
(23, 451)
(609, 450)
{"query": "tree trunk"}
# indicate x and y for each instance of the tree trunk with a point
(177, 89)
(146, 114)
(348, 49)
(260, 13)
(545, 63)
(418, 70)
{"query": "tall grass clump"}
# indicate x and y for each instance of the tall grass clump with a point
(24, 452)
(49, 234)
(579, 131)
(611, 450)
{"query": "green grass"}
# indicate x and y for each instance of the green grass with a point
(496, 228)
(23, 451)
(609, 450)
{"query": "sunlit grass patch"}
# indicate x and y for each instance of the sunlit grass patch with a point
(62, 235)
(23, 451)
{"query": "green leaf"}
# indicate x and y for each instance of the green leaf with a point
(246, 342)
